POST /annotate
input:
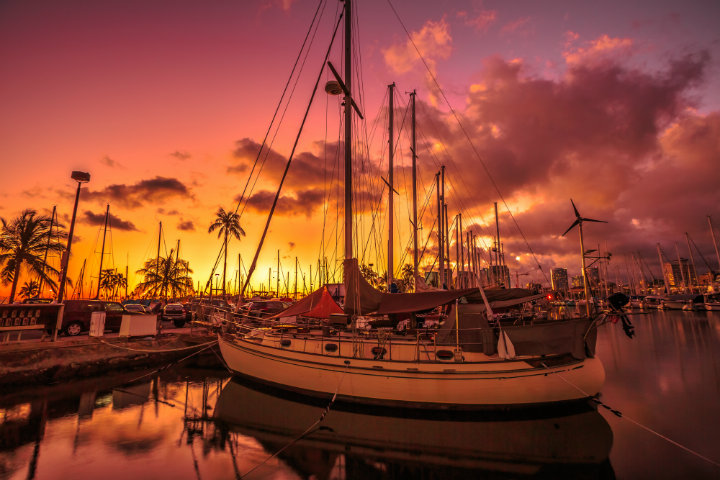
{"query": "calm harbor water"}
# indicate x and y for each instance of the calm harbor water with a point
(195, 424)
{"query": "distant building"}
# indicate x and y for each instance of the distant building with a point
(675, 275)
(559, 279)
(577, 281)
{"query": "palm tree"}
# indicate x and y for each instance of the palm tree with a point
(228, 224)
(30, 289)
(169, 275)
(111, 281)
(22, 243)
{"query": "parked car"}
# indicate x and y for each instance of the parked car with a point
(176, 312)
(264, 308)
(135, 307)
(77, 314)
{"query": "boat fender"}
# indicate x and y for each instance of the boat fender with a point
(378, 353)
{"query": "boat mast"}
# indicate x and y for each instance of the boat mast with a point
(391, 90)
(448, 269)
(157, 257)
(277, 285)
(441, 271)
(680, 267)
(662, 270)
(496, 269)
(102, 250)
(457, 250)
(348, 130)
(712, 234)
(296, 269)
(462, 250)
(414, 193)
(692, 262)
(584, 273)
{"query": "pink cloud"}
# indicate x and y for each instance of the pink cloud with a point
(433, 41)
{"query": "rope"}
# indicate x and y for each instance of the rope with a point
(157, 351)
(311, 429)
(619, 414)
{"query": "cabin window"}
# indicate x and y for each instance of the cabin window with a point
(285, 342)
(445, 355)
(331, 347)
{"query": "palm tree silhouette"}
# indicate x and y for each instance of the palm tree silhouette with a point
(22, 243)
(168, 276)
(30, 289)
(228, 224)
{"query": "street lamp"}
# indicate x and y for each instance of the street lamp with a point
(80, 177)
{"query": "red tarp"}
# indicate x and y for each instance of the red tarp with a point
(318, 304)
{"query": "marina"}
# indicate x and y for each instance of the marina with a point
(190, 423)
(343, 240)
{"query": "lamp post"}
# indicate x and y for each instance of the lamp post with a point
(80, 178)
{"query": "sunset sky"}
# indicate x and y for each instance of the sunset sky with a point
(165, 103)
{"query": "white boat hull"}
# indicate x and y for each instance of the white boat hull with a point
(494, 383)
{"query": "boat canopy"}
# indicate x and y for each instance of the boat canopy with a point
(318, 304)
(362, 299)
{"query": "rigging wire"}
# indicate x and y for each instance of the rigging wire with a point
(290, 158)
(470, 142)
(312, 29)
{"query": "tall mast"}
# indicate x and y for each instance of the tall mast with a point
(177, 261)
(296, 269)
(348, 131)
(462, 250)
(47, 247)
(414, 193)
(682, 273)
(441, 264)
(457, 250)
(446, 235)
(391, 271)
(81, 280)
(102, 250)
(584, 272)
(712, 234)
(692, 262)
(277, 287)
(497, 271)
(662, 270)
(157, 257)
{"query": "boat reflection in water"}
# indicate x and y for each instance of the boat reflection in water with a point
(364, 443)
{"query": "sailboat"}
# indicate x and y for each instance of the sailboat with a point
(571, 442)
(474, 360)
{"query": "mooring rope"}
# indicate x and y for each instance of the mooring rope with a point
(311, 429)
(180, 349)
(619, 414)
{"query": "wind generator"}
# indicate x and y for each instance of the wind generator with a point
(579, 221)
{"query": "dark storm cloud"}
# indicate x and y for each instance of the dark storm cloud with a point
(180, 155)
(158, 189)
(114, 222)
(625, 144)
(306, 170)
(186, 226)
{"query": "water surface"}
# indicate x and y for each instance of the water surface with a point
(190, 424)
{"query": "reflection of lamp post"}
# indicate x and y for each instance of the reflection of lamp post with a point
(79, 177)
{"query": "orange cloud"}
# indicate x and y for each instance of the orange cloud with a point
(433, 41)
(601, 50)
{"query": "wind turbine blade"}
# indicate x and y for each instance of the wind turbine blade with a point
(576, 222)
(591, 220)
(577, 214)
